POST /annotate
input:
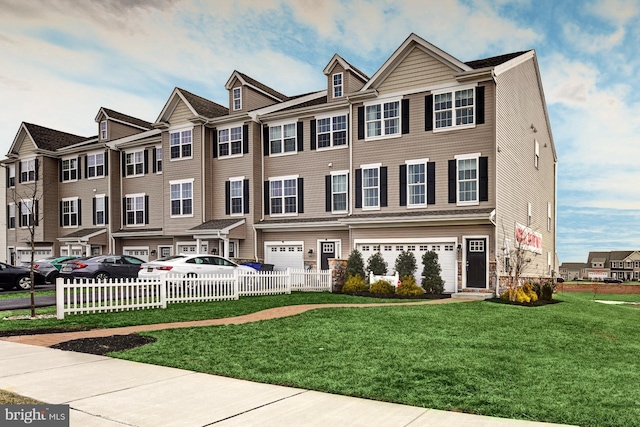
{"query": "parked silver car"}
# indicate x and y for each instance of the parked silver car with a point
(102, 267)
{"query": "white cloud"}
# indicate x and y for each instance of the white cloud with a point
(590, 42)
(618, 12)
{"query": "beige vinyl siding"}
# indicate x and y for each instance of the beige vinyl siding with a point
(115, 198)
(353, 83)
(181, 114)
(310, 241)
(438, 147)
(418, 69)
(243, 91)
(253, 99)
(27, 148)
(117, 130)
(336, 70)
(518, 181)
(208, 174)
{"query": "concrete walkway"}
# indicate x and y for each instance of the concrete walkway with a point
(106, 392)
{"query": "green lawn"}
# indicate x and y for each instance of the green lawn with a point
(576, 362)
(14, 294)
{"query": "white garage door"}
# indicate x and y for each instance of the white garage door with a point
(140, 253)
(284, 256)
(445, 250)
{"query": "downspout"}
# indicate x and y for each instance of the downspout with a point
(495, 181)
(121, 195)
(204, 174)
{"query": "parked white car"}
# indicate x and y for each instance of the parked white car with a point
(189, 266)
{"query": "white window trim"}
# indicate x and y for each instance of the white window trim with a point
(464, 258)
(282, 124)
(133, 196)
(22, 170)
(104, 210)
(342, 172)
(241, 180)
(104, 169)
(12, 174)
(71, 199)
(453, 90)
(180, 182)
(381, 102)
(180, 129)
(362, 168)
(284, 178)
(239, 98)
(548, 216)
(475, 156)
(229, 127)
(417, 162)
(77, 169)
(161, 161)
(536, 158)
(529, 216)
(331, 116)
(134, 174)
(103, 131)
(15, 220)
(334, 86)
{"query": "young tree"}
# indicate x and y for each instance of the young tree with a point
(432, 281)
(376, 264)
(515, 262)
(406, 264)
(355, 265)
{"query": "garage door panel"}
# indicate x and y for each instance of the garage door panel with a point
(284, 256)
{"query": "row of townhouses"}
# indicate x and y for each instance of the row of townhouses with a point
(429, 153)
(623, 265)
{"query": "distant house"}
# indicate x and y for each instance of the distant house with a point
(623, 265)
(573, 270)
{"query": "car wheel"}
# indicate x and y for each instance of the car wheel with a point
(102, 276)
(51, 278)
(23, 282)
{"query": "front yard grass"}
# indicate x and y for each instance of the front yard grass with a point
(14, 294)
(575, 362)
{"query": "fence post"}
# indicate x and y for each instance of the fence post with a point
(163, 291)
(289, 280)
(236, 283)
(60, 298)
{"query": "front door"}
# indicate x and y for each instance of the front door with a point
(477, 263)
(328, 251)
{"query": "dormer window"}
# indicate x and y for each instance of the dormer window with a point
(237, 98)
(337, 85)
(103, 129)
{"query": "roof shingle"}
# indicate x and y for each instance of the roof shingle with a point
(51, 139)
(203, 106)
(494, 60)
(128, 119)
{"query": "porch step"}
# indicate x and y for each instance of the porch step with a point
(476, 296)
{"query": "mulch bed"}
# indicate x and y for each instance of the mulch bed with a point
(104, 345)
(538, 303)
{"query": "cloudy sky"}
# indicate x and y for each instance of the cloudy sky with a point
(61, 60)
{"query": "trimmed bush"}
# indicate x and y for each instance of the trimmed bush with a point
(354, 284)
(432, 281)
(377, 264)
(409, 287)
(355, 264)
(406, 264)
(382, 287)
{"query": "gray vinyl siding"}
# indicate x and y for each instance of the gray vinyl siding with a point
(518, 182)
(310, 241)
(115, 198)
(418, 69)
(117, 130)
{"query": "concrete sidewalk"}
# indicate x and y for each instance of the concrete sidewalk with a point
(107, 392)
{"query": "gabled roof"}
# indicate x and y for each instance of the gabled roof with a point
(346, 65)
(253, 83)
(198, 105)
(619, 255)
(598, 257)
(494, 60)
(574, 265)
(45, 138)
(120, 117)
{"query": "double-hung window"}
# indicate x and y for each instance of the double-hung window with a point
(135, 209)
(417, 183)
(237, 98)
(95, 165)
(284, 195)
(230, 141)
(11, 216)
(103, 129)
(337, 85)
(382, 119)
(339, 187)
(70, 212)
(370, 187)
(454, 109)
(26, 213)
(100, 210)
(135, 163)
(467, 179)
(236, 195)
(332, 131)
(28, 170)
(282, 138)
(12, 176)
(181, 198)
(158, 159)
(70, 169)
(180, 143)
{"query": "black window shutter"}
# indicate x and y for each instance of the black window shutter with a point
(428, 112)
(37, 165)
(124, 211)
(452, 181)
(245, 196)
(86, 167)
(36, 212)
(300, 195)
(146, 209)
(265, 140)
(7, 180)
(383, 186)
(60, 171)
(360, 122)
(312, 130)
(20, 171)
(358, 188)
(403, 185)
(146, 161)
(94, 211)
(80, 168)
(405, 116)
(227, 198)
(61, 220)
(245, 139)
(79, 212)
(267, 198)
(327, 193)
(154, 157)
(431, 183)
(480, 105)
(106, 210)
(214, 143)
(484, 179)
(106, 163)
(300, 135)
(123, 158)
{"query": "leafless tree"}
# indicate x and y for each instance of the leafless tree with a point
(515, 262)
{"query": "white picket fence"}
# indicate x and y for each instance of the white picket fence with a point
(80, 296)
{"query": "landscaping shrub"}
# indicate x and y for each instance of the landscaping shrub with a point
(354, 284)
(431, 281)
(527, 293)
(406, 264)
(377, 264)
(548, 288)
(382, 287)
(409, 287)
(355, 264)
